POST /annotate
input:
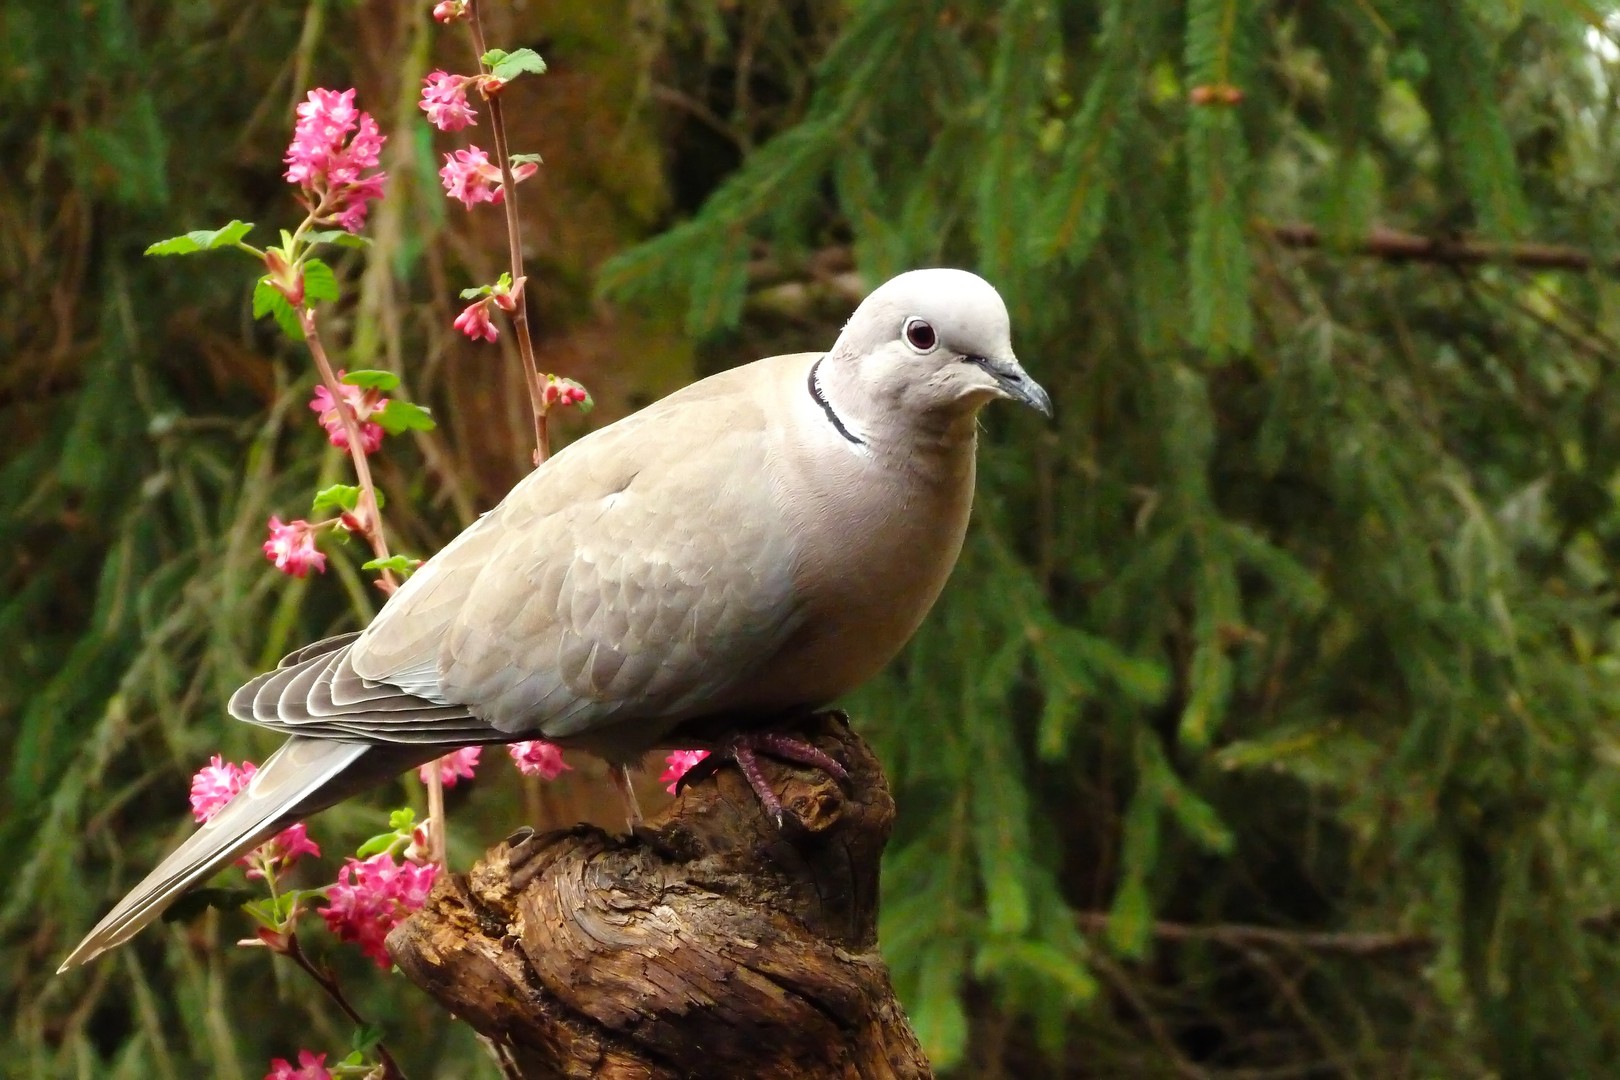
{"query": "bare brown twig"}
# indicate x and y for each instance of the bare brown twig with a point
(1244, 936)
(1397, 246)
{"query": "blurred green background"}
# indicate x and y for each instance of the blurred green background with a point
(1268, 727)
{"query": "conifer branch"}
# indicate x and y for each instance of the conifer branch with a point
(1357, 943)
(1397, 246)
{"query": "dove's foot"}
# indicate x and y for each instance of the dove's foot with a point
(745, 749)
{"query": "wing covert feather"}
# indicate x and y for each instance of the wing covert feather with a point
(641, 574)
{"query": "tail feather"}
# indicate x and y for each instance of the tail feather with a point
(304, 776)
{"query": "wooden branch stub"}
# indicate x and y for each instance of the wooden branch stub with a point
(709, 944)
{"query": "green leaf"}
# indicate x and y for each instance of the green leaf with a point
(197, 901)
(476, 291)
(526, 159)
(382, 841)
(399, 564)
(202, 240)
(340, 497)
(507, 66)
(401, 416)
(319, 282)
(372, 379)
(273, 912)
(366, 1037)
(267, 300)
(339, 237)
(402, 820)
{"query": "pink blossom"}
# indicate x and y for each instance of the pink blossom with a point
(325, 119)
(680, 763)
(281, 851)
(444, 99)
(449, 10)
(328, 164)
(474, 322)
(292, 547)
(468, 175)
(371, 896)
(453, 766)
(311, 1066)
(365, 403)
(215, 784)
(420, 850)
(539, 758)
(562, 391)
(472, 178)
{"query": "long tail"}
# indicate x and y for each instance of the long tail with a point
(304, 776)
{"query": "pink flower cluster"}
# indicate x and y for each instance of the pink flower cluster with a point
(534, 758)
(215, 784)
(559, 391)
(475, 321)
(370, 898)
(444, 99)
(292, 547)
(449, 10)
(470, 177)
(539, 758)
(333, 145)
(311, 1066)
(365, 402)
(680, 762)
(504, 294)
(453, 766)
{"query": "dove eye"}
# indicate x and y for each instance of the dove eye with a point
(920, 336)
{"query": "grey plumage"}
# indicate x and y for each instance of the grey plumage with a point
(752, 546)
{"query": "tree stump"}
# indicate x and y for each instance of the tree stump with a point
(708, 944)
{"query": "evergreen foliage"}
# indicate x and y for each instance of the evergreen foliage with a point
(1269, 725)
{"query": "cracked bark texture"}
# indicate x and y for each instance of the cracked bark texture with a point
(708, 944)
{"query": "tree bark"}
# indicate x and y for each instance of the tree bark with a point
(710, 943)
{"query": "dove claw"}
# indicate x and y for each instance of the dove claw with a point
(745, 750)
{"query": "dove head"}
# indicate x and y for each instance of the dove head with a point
(932, 344)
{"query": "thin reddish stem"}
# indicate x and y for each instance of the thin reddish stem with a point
(328, 982)
(514, 247)
(370, 516)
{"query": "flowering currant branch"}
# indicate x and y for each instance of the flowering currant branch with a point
(470, 177)
(277, 915)
(333, 164)
(514, 250)
(369, 514)
(328, 982)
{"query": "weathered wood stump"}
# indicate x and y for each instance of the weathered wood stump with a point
(709, 944)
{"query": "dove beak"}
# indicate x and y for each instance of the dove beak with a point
(1014, 382)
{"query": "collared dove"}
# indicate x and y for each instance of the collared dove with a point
(742, 552)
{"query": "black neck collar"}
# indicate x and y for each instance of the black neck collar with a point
(826, 406)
